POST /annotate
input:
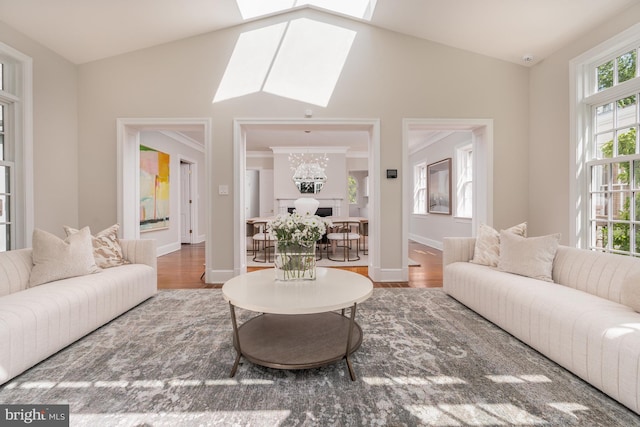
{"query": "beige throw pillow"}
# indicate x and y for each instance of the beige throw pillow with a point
(531, 257)
(487, 246)
(106, 246)
(55, 259)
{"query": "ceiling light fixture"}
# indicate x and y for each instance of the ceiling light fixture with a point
(308, 171)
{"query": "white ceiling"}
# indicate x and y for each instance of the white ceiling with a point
(84, 31)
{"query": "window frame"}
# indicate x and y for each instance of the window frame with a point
(464, 178)
(18, 94)
(584, 99)
(350, 177)
(420, 187)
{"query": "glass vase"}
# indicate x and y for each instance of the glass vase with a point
(295, 261)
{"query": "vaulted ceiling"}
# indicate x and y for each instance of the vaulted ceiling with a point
(83, 31)
(511, 30)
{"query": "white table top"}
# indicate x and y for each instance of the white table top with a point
(333, 289)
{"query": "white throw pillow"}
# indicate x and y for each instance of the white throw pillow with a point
(531, 257)
(487, 246)
(106, 246)
(55, 259)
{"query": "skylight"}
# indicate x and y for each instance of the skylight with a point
(361, 9)
(250, 61)
(301, 59)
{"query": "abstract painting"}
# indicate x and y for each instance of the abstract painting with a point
(154, 189)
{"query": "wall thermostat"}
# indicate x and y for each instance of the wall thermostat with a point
(392, 173)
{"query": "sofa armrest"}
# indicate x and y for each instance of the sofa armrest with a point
(457, 249)
(141, 251)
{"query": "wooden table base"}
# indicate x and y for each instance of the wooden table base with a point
(299, 341)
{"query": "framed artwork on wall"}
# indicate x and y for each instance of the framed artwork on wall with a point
(154, 189)
(439, 187)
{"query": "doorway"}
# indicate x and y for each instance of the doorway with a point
(481, 131)
(243, 126)
(194, 134)
(186, 202)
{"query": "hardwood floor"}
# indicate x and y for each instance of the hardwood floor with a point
(182, 269)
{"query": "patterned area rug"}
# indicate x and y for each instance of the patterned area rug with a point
(425, 360)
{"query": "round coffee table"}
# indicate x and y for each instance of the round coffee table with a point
(299, 327)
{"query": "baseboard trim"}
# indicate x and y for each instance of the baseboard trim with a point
(219, 276)
(167, 249)
(426, 241)
(389, 274)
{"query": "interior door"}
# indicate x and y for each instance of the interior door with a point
(186, 230)
(266, 193)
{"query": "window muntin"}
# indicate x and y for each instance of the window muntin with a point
(2, 138)
(16, 97)
(9, 101)
(614, 167)
(420, 188)
(617, 70)
(6, 196)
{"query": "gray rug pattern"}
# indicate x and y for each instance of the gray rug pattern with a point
(425, 360)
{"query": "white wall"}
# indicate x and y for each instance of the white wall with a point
(362, 201)
(264, 165)
(169, 240)
(550, 148)
(431, 229)
(252, 193)
(386, 75)
(55, 140)
(334, 188)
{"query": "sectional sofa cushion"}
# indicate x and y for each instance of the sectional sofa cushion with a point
(532, 257)
(106, 246)
(55, 259)
(487, 246)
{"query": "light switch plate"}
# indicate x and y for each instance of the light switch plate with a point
(223, 190)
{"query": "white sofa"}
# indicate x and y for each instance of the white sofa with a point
(579, 321)
(37, 322)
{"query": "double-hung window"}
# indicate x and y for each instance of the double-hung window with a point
(16, 162)
(352, 189)
(608, 147)
(464, 181)
(6, 183)
(420, 188)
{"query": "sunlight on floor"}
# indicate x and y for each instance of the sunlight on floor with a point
(569, 408)
(439, 380)
(136, 384)
(481, 414)
(172, 419)
(442, 415)
(519, 379)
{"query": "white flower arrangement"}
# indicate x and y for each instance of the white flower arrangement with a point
(298, 229)
(296, 236)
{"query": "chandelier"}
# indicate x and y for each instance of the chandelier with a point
(308, 171)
